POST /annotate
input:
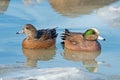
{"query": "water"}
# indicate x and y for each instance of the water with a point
(76, 16)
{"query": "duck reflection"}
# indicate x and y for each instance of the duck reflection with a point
(74, 8)
(87, 58)
(35, 55)
(3, 5)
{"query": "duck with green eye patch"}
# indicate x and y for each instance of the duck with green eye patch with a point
(86, 41)
(92, 34)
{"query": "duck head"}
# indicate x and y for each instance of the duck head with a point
(92, 35)
(29, 30)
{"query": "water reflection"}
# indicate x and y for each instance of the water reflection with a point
(75, 8)
(3, 5)
(35, 55)
(87, 58)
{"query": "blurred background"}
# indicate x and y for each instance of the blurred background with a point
(76, 15)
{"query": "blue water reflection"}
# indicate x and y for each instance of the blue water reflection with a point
(46, 14)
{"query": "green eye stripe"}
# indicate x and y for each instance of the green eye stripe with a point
(88, 32)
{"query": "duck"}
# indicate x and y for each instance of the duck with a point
(86, 41)
(37, 39)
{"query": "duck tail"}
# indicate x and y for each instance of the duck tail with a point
(67, 31)
(53, 33)
(65, 34)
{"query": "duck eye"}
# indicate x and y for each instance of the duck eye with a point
(27, 27)
(93, 32)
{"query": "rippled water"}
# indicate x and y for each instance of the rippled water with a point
(76, 15)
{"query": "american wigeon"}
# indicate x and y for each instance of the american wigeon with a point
(36, 39)
(86, 41)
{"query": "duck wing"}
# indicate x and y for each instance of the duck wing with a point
(71, 36)
(45, 34)
(40, 33)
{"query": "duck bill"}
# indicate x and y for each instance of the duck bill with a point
(101, 38)
(20, 32)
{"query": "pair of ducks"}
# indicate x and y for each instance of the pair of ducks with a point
(46, 38)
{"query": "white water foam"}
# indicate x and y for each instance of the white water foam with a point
(60, 73)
